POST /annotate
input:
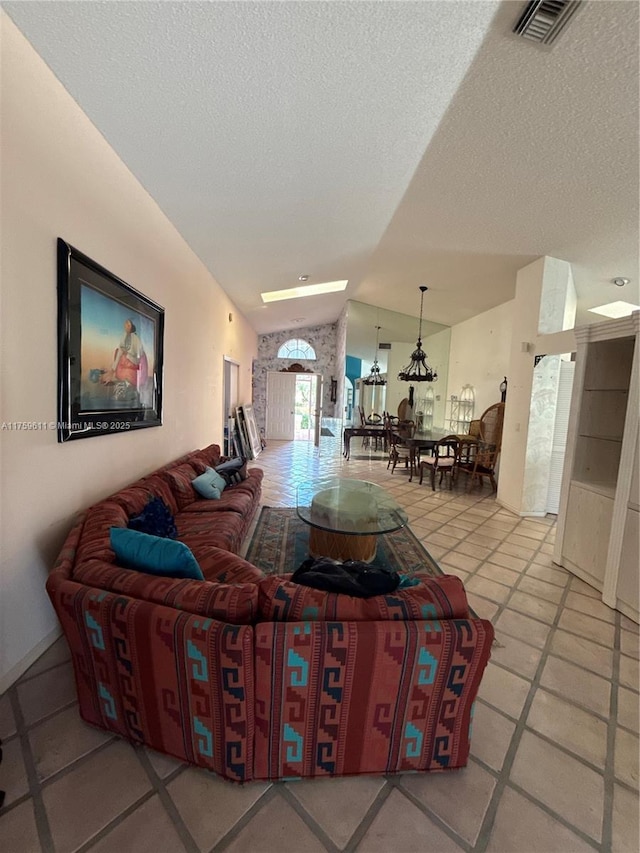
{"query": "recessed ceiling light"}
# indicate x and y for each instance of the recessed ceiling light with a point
(620, 282)
(303, 278)
(615, 309)
(306, 290)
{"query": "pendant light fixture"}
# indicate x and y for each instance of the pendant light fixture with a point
(418, 370)
(374, 377)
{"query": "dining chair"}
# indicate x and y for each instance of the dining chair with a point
(482, 454)
(398, 451)
(444, 459)
(405, 429)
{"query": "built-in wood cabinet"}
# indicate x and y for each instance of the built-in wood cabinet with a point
(598, 532)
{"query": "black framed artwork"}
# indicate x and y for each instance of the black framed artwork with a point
(110, 351)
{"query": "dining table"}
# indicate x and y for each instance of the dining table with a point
(371, 430)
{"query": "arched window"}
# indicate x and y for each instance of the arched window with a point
(297, 348)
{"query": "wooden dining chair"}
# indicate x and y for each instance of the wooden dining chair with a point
(405, 429)
(396, 440)
(377, 441)
(444, 459)
(398, 450)
(482, 454)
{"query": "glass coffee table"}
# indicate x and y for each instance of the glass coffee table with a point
(346, 517)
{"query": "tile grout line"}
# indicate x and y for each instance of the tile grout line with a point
(119, 819)
(263, 800)
(484, 835)
(158, 787)
(290, 798)
(48, 717)
(40, 813)
(609, 768)
(370, 815)
(25, 678)
(78, 762)
(483, 561)
(433, 816)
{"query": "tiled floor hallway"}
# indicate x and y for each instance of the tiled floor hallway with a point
(554, 755)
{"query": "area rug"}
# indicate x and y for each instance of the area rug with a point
(281, 542)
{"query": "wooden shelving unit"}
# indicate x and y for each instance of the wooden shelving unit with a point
(461, 410)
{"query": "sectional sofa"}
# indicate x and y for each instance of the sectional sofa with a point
(253, 676)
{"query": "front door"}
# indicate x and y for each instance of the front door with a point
(281, 395)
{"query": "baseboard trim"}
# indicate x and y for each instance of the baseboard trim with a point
(505, 505)
(519, 512)
(23, 665)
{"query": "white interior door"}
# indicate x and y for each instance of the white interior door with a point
(281, 395)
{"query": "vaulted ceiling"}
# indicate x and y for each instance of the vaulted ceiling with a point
(392, 144)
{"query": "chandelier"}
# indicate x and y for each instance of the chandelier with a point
(374, 377)
(418, 370)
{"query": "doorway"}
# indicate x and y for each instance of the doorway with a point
(304, 406)
(294, 406)
(231, 380)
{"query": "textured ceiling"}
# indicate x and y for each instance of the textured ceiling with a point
(390, 143)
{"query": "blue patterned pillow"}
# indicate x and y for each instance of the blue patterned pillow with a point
(151, 554)
(156, 520)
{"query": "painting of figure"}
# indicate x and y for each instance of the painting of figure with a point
(110, 351)
(117, 347)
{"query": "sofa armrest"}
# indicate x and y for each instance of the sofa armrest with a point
(180, 683)
(65, 561)
(366, 697)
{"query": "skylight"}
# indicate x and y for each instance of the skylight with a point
(304, 290)
(615, 309)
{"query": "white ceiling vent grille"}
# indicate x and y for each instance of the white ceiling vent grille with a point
(543, 20)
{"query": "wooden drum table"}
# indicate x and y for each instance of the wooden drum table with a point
(346, 517)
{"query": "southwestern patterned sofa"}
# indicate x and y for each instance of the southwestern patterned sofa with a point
(255, 677)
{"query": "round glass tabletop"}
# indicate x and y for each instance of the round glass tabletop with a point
(353, 507)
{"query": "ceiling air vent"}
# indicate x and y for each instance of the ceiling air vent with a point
(544, 20)
(384, 346)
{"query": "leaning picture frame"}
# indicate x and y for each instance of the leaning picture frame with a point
(110, 351)
(252, 430)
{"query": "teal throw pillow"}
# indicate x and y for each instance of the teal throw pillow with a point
(209, 485)
(153, 554)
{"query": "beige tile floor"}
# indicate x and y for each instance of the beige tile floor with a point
(554, 756)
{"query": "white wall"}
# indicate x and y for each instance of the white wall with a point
(480, 352)
(524, 329)
(544, 288)
(438, 350)
(61, 179)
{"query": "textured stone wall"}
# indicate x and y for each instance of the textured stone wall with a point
(324, 341)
